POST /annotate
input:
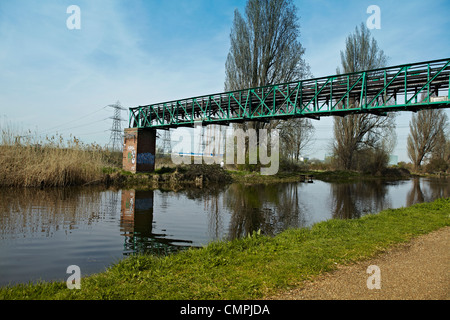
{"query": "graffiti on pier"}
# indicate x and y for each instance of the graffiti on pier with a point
(145, 158)
(131, 155)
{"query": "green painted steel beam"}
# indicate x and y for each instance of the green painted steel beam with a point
(407, 87)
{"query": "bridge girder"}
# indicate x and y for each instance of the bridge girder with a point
(409, 87)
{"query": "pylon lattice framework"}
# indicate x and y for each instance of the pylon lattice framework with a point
(167, 142)
(116, 137)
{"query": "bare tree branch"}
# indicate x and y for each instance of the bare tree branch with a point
(355, 133)
(427, 131)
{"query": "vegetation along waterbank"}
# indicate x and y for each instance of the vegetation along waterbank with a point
(253, 267)
(57, 162)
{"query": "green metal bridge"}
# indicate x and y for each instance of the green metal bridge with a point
(408, 87)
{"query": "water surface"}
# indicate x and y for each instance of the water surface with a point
(42, 232)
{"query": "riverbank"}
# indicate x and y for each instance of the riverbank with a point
(251, 268)
(175, 178)
(323, 175)
(56, 162)
(59, 163)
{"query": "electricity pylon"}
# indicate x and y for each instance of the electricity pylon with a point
(167, 142)
(116, 137)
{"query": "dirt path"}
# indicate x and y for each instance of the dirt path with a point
(418, 270)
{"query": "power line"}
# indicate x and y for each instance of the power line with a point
(83, 125)
(72, 121)
(89, 133)
(47, 131)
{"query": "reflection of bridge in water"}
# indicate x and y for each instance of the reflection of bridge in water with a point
(235, 211)
(136, 223)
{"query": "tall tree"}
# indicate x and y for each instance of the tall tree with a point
(427, 131)
(264, 47)
(296, 135)
(265, 50)
(354, 133)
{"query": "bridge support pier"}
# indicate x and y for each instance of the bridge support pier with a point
(139, 150)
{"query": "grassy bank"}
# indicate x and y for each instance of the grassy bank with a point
(253, 267)
(201, 175)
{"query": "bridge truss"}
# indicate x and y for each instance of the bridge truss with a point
(409, 87)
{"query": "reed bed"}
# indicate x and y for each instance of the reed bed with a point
(26, 161)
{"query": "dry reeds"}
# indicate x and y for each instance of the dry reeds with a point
(51, 162)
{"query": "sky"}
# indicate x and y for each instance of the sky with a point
(57, 79)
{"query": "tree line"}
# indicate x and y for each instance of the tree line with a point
(265, 50)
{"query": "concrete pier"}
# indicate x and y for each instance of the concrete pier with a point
(139, 150)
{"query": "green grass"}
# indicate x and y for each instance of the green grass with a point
(253, 267)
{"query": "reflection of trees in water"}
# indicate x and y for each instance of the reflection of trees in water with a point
(246, 204)
(269, 208)
(32, 211)
(215, 221)
(415, 195)
(343, 204)
(352, 200)
(425, 190)
(289, 213)
(439, 188)
(210, 198)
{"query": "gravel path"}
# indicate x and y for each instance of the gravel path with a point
(418, 270)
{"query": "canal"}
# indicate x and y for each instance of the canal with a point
(42, 232)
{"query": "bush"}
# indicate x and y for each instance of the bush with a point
(372, 161)
(436, 165)
(211, 173)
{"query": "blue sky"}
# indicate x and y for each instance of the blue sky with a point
(142, 52)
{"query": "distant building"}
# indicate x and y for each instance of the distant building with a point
(393, 160)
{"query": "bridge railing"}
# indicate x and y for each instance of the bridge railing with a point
(409, 87)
